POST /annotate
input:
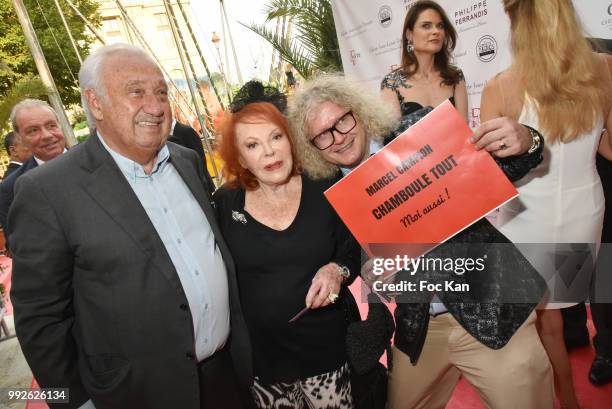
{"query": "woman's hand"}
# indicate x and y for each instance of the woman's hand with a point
(502, 137)
(325, 284)
(499, 133)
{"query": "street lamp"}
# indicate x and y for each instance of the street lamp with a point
(216, 40)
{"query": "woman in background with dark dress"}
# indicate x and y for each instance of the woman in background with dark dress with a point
(426, 76)
(291, 250)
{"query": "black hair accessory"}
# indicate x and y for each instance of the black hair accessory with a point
(255, 91)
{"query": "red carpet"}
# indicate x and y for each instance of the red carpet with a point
(589, 396)
(5, 279)
(36, 405)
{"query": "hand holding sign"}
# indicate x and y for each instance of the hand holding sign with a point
(423, 188)
(502, 137)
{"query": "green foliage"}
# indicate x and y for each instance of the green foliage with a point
(26, 87)
(16, 62)
(216, 78)
(78, 116)
(82, 138)
(313, 45)
(80, 125)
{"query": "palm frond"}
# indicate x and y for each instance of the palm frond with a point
(290, 50)
(291, 8)
(311, 18)
(314, 45)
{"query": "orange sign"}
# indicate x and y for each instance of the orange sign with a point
(423, 188)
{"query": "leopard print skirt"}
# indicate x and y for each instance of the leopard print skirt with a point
(331, 390)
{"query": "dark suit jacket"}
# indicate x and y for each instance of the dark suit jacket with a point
(7, 188)
(99, 307)
(12, 166)
(186, 136)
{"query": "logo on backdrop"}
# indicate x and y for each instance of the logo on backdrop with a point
(471, 12)
(486, 48)
(385, 16)
(610, 9)
(354, 57)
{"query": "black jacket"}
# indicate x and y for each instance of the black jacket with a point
(186, 136)
(99, 306)
(7, 188)
(12, 166)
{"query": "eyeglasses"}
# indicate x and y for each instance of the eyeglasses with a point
(345, 124)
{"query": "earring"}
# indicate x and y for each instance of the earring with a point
(409, 47)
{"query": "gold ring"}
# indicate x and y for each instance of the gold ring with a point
(502, 145)
(332, 297)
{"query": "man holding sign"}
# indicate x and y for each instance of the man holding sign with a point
(337, 125)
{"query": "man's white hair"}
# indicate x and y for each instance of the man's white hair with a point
(27, 104)
(90, 74)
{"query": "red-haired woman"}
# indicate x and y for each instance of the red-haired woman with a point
(290, 250)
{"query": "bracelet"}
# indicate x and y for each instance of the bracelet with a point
(343, 272)
(536, 140)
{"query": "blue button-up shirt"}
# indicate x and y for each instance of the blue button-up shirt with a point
(185, 232)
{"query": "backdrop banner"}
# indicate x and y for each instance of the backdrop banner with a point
(369, 34)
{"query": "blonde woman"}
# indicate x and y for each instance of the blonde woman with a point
(557, 85)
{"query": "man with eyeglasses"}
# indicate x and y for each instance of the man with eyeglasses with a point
(342, 127)
(345, 142)
(337, 126)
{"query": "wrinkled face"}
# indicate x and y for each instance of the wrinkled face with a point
(19, 151)
(348, 150)
(40, 131)
(134, 114)
(428, 33)
(264, 149)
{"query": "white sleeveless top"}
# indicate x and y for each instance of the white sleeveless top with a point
(561, 201)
